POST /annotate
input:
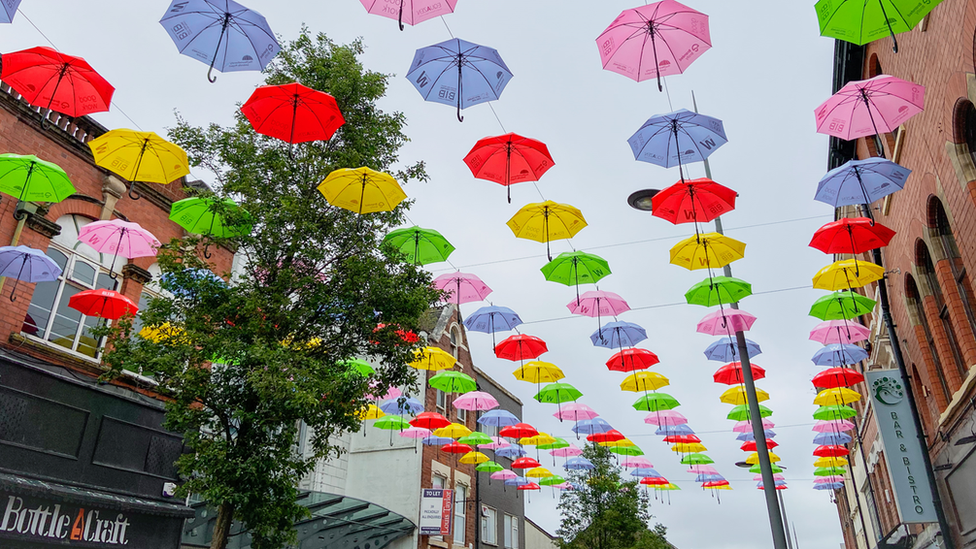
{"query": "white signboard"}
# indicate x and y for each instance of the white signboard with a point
(913, 494)
(436, 510)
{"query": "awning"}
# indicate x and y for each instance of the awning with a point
(335, 522)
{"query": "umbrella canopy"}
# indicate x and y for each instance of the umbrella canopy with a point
(665, 417)
(556, 444)
(552, 480)
(851, 236)
(696, 459)
(462, 287)
(688, 447)
(673, 430)
(756, 468)
(371, 411)
(509, 159)
(865, 21)
(726, 321)
(141, 156)
(591, 426)
(833, 426)
(222, 33)
(556, 393)
(454, 431)
(693, 200)
(362, 190)
(27, 264)
(28, 178)
(731, 373)
(616, 335)
(458, 72)
(575, 268)
(741, 412)
(831, 450)
(456, 448)
(357, 365)
(416, 432)
(420, 246)
(452, 381)
(402, 405)
(492, 319)
(103, 304)
(539, 472)
(518, 481)
(512, 451)
(831, 486)
(654, 40)
(392, 423)
(718, 290)
(598, 303)
(829, 471)
(520, 347)
(498, 418)
(677, 138)
(750, 446)
(432, 358)
(538, 371)
(430, 420)
(631, 360)
(208, 216)
(870, 107)
(707, 251)
(547, 221)
(727, 349)
(745, 426)
(654, 481)
(828, 480)
(541, 438)
(529, 486)
(836, 395)
(830, 462)
(847, 274)
(495, 444)
(120, 238)
(861, 182)
(643, 381)
(607, 436)
(437, 441)
(753, 458)
(626, 450)
(840, 331)
(525, 463)
(837, 377)
(656, 401)
(568, 452)
(519, 430)
(489, 467)
(473, 458)
(9, 10)
(834, 411)
(49, 79)
(750, 436)
(293, 113)
(841, 305)
(410, 12)
(504, 474)
(475, 400)
(736, 395)
(683, 439)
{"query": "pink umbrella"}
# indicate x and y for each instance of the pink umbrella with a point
(870, 107)
(475, 400)
(504, 474)
(497, 443)
(655, 40)
(636, 462)
(564, 486)
(828, 480)
(665, 417)
(570, 451)
(726, 322)
(391, 393)
(833, 426)
(703, 470)
(777, 476)
(410, 12)
(839, 331)
(415, 432)
(462, 287)
(575, 411)
(596, 303)
(746, 426)
(119, 238)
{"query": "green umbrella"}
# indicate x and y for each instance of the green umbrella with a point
(626, 450)
(28, 178)
(421, 246)
(834, 411)
(488, 467)
(829, 471)
(741, 412)
(560, 443)
(358, 366)
(696, 459)
(552, 481)
(206, 215)
(557, 393)
(756, 469)
(392, 423)
(717, 290)
(451, 381)
(863, 21)
(575, 268)
(655, 402)
(842, 305)
(475, 438)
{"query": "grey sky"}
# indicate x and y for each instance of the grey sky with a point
(766, 72)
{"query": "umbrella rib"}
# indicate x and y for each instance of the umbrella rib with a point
(199, 34)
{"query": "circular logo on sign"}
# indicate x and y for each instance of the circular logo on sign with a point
(888, 391)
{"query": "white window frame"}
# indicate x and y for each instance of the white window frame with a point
(460, 512)
(455, 336)
(440, 401)
(462, 415)
(437, 481)
(511, 531)
(489, 525)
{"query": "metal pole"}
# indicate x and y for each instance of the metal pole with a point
(786, 520)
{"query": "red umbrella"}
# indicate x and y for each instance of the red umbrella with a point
(682, 439)
(715, 483)
(778, 487)
(519, 430)
(430, 420)
(103, 304)
(525, 463)
(509, 159)
(520, 347)
(693, 200)
(293, 113)
(530, 486)
(457, 448)
(851, 236)
(52, 80)
(837, 377)
(731, 373)
(655, 481)
(406, 335)
(630, 360)
(612, 435)
(750, 446)
(831, 451)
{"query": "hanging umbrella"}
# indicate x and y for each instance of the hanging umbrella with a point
(870, 107)
(688, 448)
(140, 156)
(519, 430)
(731, 373)
(473, 458)
(492, 319)
(392, 423)
(841, 305)
(655, 40)
(371, 411)
(616, 335)
(851, 236)
(833, 426)
(727, 349)
(529, 486)
(452, 381)
(693, 201)
(557, 393)
(726, 321)
(520, 347)
(358, 366)
(489, 467)
(27, 264)
(401, 406)
(828, 480)
(103, 303)
(829, 471)
(457, 72)
(753, 458)
(750, 436)
(834, 411)
(745, 426)
(552, 480)
(362, 190)
(547, 221)
(607, 436)
(776, 477)
(631, 360)
(861, 182)
(9, 10)
(665, 417)
(696, 459)
(52, 80)
(636, 462)
(120, 238)
(847, 274)
(519, 482)
(509, 159)
(837, 377)
(750, 446)
(504, 474)
(525, 463)
(538, 371)
(709, 477)
(707, 251)
(575, 268)
(840, 331)
(775, 468)
(495, 444)
(30, 179)
(498, 418)
(293, 113)
(208, 216)
(541, 438)
(673, 430)
(579, 464)
(656, 401)
(420, 246)
(538, 472)
(643, 381)
(741, 412)
(677, 138)
(863, 21)
(475, 400)
(512, 451)
(222, 33)
(736, 396)
(830, 462)
(430, 420)
(453, 431)
(462, 287)
(828, 450)
(591, 426)
(411, 12)
(718, 290)
(433, 359)
(415, 432)
(568, 452)
(682, 439)
(456, 448)
(437, 441)
(836, 395)
(556, 444)
(831, 486)
(597, 304)
(702, 469)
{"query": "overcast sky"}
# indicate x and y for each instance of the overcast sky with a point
(768, 69)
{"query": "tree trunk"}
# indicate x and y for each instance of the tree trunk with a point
(221, 533)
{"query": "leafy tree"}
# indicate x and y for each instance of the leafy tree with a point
(243, 363)
(606, 512)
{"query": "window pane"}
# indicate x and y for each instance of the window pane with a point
(460, 494)
(58, 257)
(83, 272)
(66, 320)
(507, 531)
(515, 533)
(105, 282)
(86, 343)
(39, 311)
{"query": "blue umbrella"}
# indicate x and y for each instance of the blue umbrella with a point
(839, 354)
(747, 437)
(776, 483)
(27, 264)
(861, 182)
(489, 320)
(645, 472)
(669, 430)
(517, 481)
(591, 426)
(222, 33)
(617, 335)
(829, 486)
(579, 464)
(9, 9)
(498, 418)
(677, 138)
(832, 439)
(456, 72)
(437, 441)
(727, 350)
(401, 406)
(512, 451)
(709, 477)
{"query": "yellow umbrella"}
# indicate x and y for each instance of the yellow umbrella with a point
(622, 443)
(547, 221)
(362, 190)
(689, 447)
(473, 458)
(707, 250)
(538, 472)
(370, 412)
(644, 381)
(830, 462)
(722, 487)
(454, 430)
(846, 273)
(737, 395)
(541, 438)
(837, 395)
(753, 458)
(140, 156)
(538, 371)
(432, 358)
(163, 332)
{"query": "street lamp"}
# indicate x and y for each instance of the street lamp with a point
(641, 200)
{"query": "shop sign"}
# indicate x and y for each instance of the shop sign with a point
(436, 510)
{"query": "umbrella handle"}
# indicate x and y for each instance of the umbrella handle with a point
(890, 31)
(133, 194)
(460, 64)
(400, 16)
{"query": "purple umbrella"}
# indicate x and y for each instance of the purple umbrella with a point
(832, 439)
(861, 182)
(617, 335)
(727, 350)
(27, 264)
(492, 319)
(677, 138)
(402, 405)
(839, 354)
(498, 418)
(512, 451)
(748, 437)
(578, 464)
(674, 430)
(591, 426)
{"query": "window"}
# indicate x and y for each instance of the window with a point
(462, 415)
(441, 401)
(437, 482)
(460, 495)
(918, 311)
(455, 341)
(950, 250)
(49, 317)
(926, 269)
(489, 525)
(969, 128)
(510, 528)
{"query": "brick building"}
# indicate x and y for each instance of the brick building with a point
(929, 262)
